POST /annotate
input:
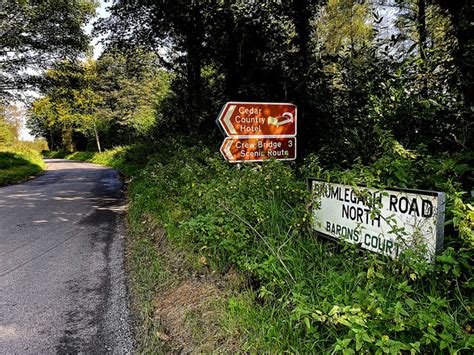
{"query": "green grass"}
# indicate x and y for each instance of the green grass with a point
(129, 160)
(300, 293)
(18, 164)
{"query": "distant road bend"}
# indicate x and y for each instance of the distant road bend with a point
(62, 280)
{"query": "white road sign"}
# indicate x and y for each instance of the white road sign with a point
(383, 221)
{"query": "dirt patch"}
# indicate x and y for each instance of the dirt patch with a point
(188, 309)
(173, 308)
(190, 316)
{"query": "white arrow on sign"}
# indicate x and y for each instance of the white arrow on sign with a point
(227, 117)
(226, 149)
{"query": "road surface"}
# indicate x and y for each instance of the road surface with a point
(62, 280)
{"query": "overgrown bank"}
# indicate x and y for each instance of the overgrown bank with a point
(233, 247)
(18, 163)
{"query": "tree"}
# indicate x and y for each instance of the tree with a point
(462, 17)
(68, 105)
(132, 86)
(427, 85)
(42, 122)
(216, 51)
(9, 125)
(109, 102)
(34, 34)
(151, 25)
(86, 101)
(325, 56)
(344, 27)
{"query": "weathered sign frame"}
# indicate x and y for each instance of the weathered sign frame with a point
(440, 210)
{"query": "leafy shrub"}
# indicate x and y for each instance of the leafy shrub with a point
(309, 294)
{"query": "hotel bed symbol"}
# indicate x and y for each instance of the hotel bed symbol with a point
(285, 118)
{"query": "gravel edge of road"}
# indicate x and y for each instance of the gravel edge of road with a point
(121, 340)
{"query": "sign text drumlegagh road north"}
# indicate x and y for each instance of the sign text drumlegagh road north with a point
(386, 222)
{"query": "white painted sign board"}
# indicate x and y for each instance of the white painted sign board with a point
(382, 221)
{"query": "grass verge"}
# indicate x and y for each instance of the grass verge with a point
(18, 164)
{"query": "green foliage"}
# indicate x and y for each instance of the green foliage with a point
(343, 25)
(99, 103)
(9, 124)
(132, 87)
(33, 34)
(350, 79)
(6, 135)
(375, 110)
(129, 159)
(254, 219)
(18, 164)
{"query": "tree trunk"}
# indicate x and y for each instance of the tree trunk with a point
(421, 27)
(67, 139)
(231, 64)
(302, 14)
(193, 65)
(96, 133)
(462, 16)
(51, 141)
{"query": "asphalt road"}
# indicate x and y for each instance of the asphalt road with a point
(62, 279)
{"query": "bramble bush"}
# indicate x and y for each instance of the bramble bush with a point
(308, 294)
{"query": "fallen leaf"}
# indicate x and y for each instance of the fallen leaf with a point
(163, 336)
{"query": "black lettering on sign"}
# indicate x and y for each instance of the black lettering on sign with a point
(356, 235)
(374, 242)
(343, 231)
(426, 208)
(367, 239)
(414, 208)
(389, 247)
(411, 206)
(403, 207)
(393, 203)
(359, 214)
(353, 197)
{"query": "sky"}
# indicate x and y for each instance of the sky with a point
(101, 13)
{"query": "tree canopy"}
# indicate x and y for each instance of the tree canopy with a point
(35, 34)
(113, 99)
(357, 70)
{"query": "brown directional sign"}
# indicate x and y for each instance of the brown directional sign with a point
(258, 119)
(247, 149)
